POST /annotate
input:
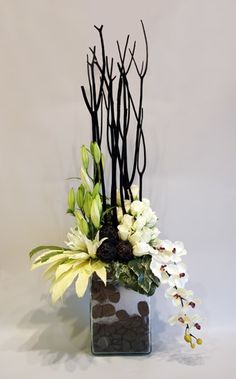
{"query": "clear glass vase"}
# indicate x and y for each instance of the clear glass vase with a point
(119, 320)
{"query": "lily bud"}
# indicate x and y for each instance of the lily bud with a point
(87, 204)
(91, 148)
(71, 200)
(96, 152)
(80, 196)
(96, 190)
(87, 182)
(95, 214)
(103, 161)
(84, 227)
(99, 203)
(84, 157)
(82, 224)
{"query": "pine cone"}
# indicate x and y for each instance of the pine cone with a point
(106, 251)
(124, 251)
(110, 232)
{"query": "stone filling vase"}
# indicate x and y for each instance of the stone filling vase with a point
(119, 320)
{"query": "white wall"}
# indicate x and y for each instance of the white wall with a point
(190, 126)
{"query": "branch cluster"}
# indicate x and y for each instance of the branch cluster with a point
(111, 106)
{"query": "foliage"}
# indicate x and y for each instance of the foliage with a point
(136, 275)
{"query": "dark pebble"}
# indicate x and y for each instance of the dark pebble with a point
(130, 336)
(108, 310)
(114, 297)
(143, 308)
(97, 311)
(122, 314)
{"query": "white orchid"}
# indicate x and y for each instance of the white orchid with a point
(186, 319)
(178, 251)
(159, 270)
(178, 275)
(178, 295)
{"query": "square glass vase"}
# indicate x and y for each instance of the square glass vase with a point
(119, 320)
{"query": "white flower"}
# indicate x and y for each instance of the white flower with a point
(123, 231)
(154, 239)
(178, 251)
(119, 214)
(141, 248)
(186, 319)
(78, 242)
(87, 182)
(135, 191)
(178, 295)
(118, 201)
(150, 217)
(146, 202)
(127, 205)
(128, 220)
(163, 255)
(178, 276)
(139, 223)
(137, 207)
(146, 234)
(159, 270)
(135, 237)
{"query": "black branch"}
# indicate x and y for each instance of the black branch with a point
(112, 107)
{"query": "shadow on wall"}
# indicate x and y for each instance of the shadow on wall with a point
(62, 334)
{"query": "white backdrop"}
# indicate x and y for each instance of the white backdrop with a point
(190, 128)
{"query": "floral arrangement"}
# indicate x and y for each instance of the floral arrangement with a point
(115, 235)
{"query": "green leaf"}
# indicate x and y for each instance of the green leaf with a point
(61, 284)
(41, 248)
(46, 257)
(136, 275)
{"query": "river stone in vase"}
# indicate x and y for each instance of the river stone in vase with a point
(120, 320)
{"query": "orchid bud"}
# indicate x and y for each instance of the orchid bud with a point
(87, 182)
(87, 204)
(95, 214)
(80, 196)
(71, 200)
(84, 157)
